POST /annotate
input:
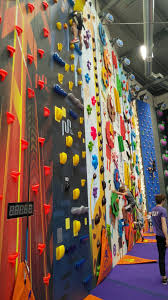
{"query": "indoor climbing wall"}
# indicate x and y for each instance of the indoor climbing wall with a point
(94, 149)
(109, 119)
(148, 153)
(43, 181)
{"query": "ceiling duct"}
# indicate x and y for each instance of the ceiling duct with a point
(148, 18)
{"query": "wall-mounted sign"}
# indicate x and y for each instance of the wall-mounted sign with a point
(19, 210)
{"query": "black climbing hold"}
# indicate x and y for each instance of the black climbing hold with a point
(93, 39)
(102, 170)
(101, 141)
(100, 148)
(88, 16)
(98, 244)
(99, 133)
(97, 219)
(104, 201)
(94, 176)
(98, 103)
(102, 158)
(103, 184)
(98, 113)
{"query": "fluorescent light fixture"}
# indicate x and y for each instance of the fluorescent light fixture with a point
(143, 51)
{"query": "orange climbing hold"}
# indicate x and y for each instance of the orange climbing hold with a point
(149, 234)
(131, 260)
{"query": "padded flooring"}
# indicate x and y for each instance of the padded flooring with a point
(140, 281)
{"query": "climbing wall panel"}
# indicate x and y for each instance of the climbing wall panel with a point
(148, 152)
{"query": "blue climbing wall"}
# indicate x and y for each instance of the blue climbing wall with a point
(148, 152)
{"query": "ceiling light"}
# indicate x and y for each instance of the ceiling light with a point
(143, 52)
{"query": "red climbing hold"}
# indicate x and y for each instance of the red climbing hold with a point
(0, 20)
(19, 30)
(15, 175)
(31, 7)
(41, 248)
(46, 279)
(31, 93)
(47, 209)
(10, 118)
(41, 141)
(3, 74)
(24, 144)
(41, 84)
(41, 52)
(11, 50)
(46, 112)
(12, 258)
(45, 32)
(1, 197)
(30, 58)
(47, 170)
(35, 187)
(45, 4)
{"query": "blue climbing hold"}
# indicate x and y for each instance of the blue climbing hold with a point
(58, 59)
(94, 161)
(59, 90)
(87, 78)
(77, 49)
(73, 114)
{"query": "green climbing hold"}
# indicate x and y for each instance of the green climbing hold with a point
(120, 143)
(114, 204)
(89, 109)
(90, 146)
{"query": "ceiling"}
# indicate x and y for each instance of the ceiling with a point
(131, 11)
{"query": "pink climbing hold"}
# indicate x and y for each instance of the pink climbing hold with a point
(93, 132)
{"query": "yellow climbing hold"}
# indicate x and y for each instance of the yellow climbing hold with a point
(72, 46)
(69, 141)
(81, 120)
(83, 154)
(72, 56)
(67, 68)
(58, 114)
(75, 160)
(83, 181)
(76, 227)
(76, 194)
(59, 45)
(79, 134)
(79, 71)
(59, 25)
(60, 251)
(72, 68)
(63, 158)
(65, 26)
(79, 82)
(60, 78)
(70, 85)
(70, 22)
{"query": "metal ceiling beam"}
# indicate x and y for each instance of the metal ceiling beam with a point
(109, 5)
(155, 82)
